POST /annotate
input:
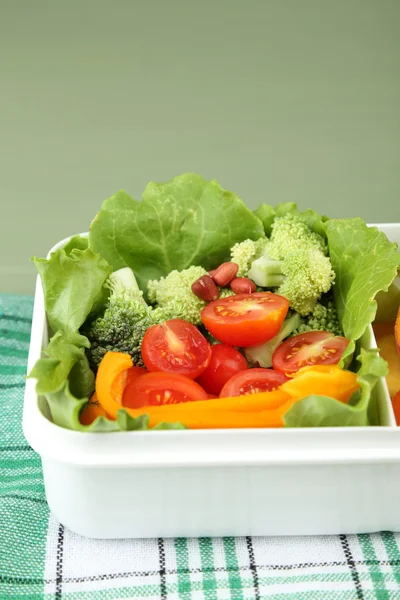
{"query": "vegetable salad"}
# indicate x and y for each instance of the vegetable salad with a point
(189, 310)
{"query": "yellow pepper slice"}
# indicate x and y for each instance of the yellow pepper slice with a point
(322, 380)
(111, 380)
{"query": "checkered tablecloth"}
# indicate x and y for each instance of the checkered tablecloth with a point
(41, 559)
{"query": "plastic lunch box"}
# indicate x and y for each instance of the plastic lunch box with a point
(219, 482)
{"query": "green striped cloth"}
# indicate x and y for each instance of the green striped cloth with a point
(41, 559)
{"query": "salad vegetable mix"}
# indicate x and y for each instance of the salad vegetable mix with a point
(189, 310)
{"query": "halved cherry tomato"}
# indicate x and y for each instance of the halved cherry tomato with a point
(245, 319)
(307, 349)
(225, 362)
(157, 389)
(132, 374)
(176, 346)
(252, 381)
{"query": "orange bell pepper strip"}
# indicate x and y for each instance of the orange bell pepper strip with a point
(200, 417)
(92, 410)
(324, 380)
(240, 404)
(111, 379)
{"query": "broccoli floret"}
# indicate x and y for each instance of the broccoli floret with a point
(125, 320)
(225, 292)
(295, 262)
(322, 318)
(243, 254)
(178, 285)
(120, 329)
(308, 274)
(261, 355)
(290, 233)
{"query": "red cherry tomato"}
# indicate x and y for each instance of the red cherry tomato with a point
(225, 362)
(132, 374)
(157, 389)
(176, 346)
(307, 349)
(245, 319)
(252, 381)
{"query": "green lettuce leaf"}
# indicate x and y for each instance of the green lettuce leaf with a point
(186, 221)
(322, 411)
(168, 426)
(267, 214)
(73, 284)
(365, 262)
(77, 242)
(128, 423)
(64, 375)
(65, 356)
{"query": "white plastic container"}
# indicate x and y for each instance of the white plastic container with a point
(219, 482)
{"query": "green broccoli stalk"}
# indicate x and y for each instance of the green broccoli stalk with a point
(163, 293)
(266, 272)
(294, 261)
(125, 320)
(244, 253)
(123, 281)
(261, 355)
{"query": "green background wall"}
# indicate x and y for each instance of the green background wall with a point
(277, 99)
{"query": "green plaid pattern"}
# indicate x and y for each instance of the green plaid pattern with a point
(41, 559)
